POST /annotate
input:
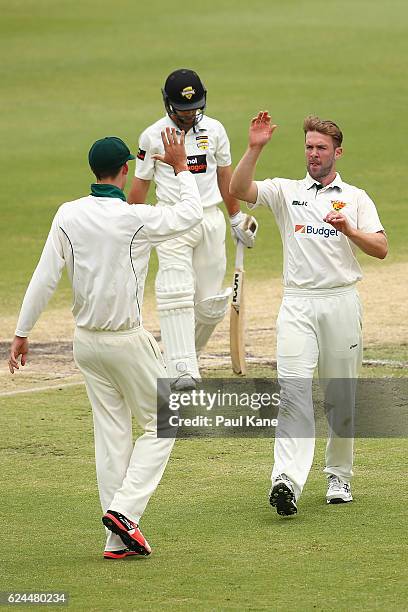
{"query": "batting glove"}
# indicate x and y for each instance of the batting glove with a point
(244, 228)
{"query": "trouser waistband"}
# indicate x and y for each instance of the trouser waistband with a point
(288, 291)
(83, 331)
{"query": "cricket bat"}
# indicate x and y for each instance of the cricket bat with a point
(237, 316)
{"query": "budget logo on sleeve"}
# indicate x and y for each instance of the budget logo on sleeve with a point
(300, 229)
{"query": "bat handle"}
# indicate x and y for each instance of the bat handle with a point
(239, 256)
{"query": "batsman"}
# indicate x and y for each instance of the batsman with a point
(323, 222)
(190, 299)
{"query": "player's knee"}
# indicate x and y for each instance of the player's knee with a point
(174, 288)
(211, 310)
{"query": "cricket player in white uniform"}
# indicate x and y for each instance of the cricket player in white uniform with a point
(322, 221)
(105, 244)
(189, 292)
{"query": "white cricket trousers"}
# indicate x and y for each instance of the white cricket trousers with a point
(316, 328)
(121, 369)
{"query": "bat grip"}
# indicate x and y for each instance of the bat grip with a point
(239, 256)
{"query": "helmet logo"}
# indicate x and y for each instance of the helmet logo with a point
(188, 92)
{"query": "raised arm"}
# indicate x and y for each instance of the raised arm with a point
(242, 184)
(165, 222)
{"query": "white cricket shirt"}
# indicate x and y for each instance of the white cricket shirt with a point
(315, 255)
(207, 147)
(105, 244)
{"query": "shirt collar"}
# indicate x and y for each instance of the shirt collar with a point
(336, 183)
(103, 190)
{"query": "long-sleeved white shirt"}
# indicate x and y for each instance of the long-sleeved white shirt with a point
(105, 244)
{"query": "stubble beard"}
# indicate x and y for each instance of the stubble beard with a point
(321, 171)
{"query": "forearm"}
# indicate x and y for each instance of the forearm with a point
(375, 244)
(224, 174)
(242, 184)
(37, 296)
(138, 191)
(165, 222)
(43, 282)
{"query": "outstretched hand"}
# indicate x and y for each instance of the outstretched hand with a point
(174, 150)
(19, 346)
(261, 130)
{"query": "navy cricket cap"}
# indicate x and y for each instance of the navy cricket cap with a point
(108, 153)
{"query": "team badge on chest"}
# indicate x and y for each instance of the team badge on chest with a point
(202, 142)
(337, 205)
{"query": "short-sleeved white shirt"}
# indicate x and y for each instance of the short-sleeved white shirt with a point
(207, 147)
(315, 255)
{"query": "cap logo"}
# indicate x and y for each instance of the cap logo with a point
(188, 92)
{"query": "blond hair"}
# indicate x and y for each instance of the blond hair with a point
(312, 123)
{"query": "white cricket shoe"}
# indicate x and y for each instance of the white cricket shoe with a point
(338, 491)
(282, 496)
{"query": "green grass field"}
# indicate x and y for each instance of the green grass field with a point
(73, 72)
(217, 543)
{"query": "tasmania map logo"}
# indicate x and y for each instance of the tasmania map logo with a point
(300, 229)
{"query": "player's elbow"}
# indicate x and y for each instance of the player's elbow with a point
(198, 214)
(383, 247)
(243, 193)
(199, 217)
(235, 192)
(383, 252)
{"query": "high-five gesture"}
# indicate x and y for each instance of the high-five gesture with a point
(242, 184)
(174, 150)
(261, 130)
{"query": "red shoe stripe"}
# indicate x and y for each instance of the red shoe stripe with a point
(119, 554)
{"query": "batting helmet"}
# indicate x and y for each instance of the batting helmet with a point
(183, 91)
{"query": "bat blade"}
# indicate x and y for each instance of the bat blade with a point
(237, 315)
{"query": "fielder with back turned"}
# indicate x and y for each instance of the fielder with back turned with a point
(189, 293)
(323, 221)
(105, 245)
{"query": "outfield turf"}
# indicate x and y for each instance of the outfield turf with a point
(75, 71)
(217, 544)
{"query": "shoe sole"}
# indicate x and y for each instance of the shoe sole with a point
(283, 499)
(112, 555)
(338, 500)
(115, 526)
